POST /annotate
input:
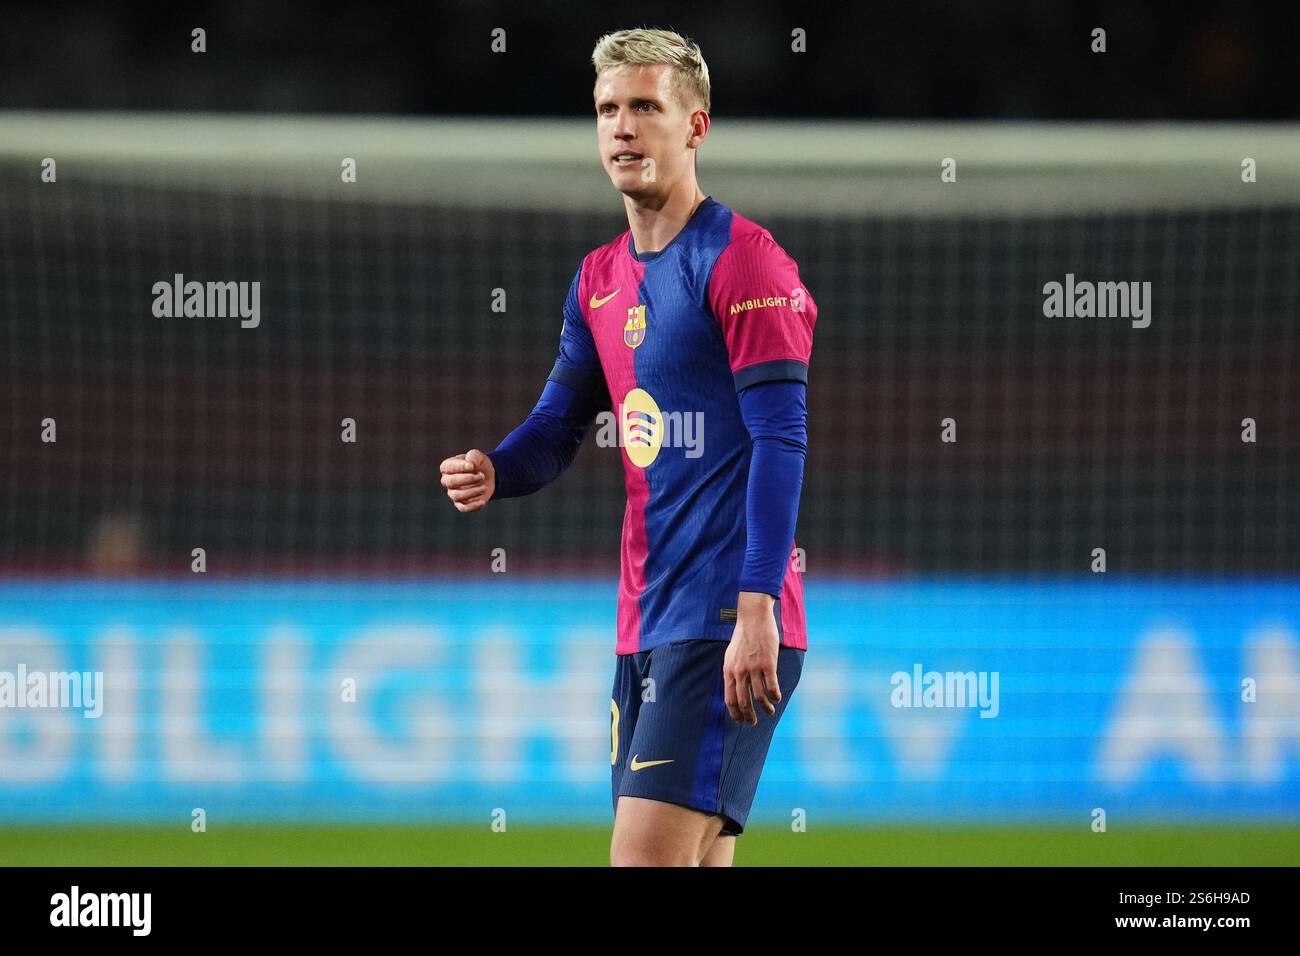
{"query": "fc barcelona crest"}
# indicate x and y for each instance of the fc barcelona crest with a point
(634, 331)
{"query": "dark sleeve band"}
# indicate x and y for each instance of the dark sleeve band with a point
(568, 375)
(777, 370)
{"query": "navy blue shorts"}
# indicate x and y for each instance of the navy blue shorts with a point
(672, 738)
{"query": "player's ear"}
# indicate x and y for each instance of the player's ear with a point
(699, 128)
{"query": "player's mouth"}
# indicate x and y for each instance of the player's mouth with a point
(626, 157)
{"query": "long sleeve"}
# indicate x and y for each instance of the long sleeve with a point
(544, 445)
(776, 415)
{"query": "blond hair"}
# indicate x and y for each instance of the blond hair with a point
(646, 47)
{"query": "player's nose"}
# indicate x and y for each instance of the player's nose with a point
(624, 126)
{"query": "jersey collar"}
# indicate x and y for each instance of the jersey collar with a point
(652, 256)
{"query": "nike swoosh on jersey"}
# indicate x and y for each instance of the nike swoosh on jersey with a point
(596, 303)
(634, 766)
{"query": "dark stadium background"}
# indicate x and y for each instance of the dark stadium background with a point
(203, 434)
(925, 60)
(211, 435)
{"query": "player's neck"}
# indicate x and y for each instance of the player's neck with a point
(656, 222)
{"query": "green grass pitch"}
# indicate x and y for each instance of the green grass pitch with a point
(589, 846)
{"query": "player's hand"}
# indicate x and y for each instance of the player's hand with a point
(749, 668)
(469, 479)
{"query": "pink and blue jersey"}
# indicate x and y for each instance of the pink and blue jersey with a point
(701, 352)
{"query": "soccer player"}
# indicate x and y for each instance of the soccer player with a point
(695, 325)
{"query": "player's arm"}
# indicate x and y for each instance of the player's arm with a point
(540, 449)
(776, 414)
(544, 445)
(769, 348)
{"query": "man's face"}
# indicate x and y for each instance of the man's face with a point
(643, 131)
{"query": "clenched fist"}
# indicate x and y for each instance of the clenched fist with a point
(469, 479)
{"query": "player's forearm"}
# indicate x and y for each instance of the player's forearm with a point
(543, 446)
(531, 457)
(771, 511)
(776, 415)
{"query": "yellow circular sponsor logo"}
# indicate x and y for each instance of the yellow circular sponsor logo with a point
(643, 427)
